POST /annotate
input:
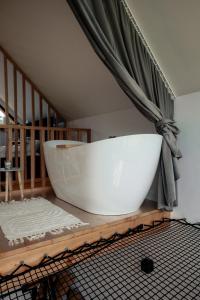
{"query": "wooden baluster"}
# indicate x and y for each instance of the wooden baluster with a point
(25, 78)
(6, 88)
(41, 111)
(61, 135)
(24, 123)
(64, 135)
(52, 136)
(10, 144)
(22, 155)
(49, 116)
(6, 104)
(78, 135)
(10, 152)
(15, 95)
(15, 115)
(24, 99)
(42, 161)
(69, 134)
(33, 105)
(89, 135)
(25, 154)
(56, 119)
(16, 132)
(32, 159)
(49, 125)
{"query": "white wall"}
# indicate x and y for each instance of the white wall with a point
(187, 115)
(118, 123)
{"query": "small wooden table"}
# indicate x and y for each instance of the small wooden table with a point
(9, 181)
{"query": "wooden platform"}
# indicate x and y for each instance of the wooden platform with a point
(99, 226)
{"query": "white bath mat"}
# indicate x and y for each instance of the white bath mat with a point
(33, 218)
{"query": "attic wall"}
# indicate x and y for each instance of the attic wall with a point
(118, 123)
(187, 110)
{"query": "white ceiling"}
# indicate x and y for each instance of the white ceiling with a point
(47, 42)
(171, 27)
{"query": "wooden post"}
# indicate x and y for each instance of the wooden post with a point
(33, 105)
(52, 134)
(15, 95)
(10, 144)
(6, 102)
(22, 155)
(6, 88)
(16, 147)
(42, 162)
(20, 184)
(32, 158)
(24, 99)
(49, 116)
(56, 119)
(89, 135)
(15, 114)
(7, 186)
(25, 153)
(61, 135)
(69, 134)
(78, 135)
(41, 111)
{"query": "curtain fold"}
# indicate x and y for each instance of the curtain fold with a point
(115, 40)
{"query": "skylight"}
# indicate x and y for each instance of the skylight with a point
(2, 115)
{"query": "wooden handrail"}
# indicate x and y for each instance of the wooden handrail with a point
(6, 88)
(14, 126)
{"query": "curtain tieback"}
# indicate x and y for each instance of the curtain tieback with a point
(164, 125)
(169, 131)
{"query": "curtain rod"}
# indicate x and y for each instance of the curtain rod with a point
(137, 28)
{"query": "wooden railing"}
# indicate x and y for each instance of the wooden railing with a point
(30, 120)
(16, 107)
(24, 147)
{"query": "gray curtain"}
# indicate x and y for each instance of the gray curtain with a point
(115, 40)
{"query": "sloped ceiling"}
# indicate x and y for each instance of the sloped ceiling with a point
(171, 28)
(47, 42)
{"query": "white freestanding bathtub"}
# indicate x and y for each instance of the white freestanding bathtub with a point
(108, 177)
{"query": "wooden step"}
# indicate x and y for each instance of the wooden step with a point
(32, 253)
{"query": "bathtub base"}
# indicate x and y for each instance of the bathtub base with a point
(99, 211)
(99, 226)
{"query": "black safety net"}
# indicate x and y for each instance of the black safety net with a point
(161, 261)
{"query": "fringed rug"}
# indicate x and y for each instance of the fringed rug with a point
(32, 218)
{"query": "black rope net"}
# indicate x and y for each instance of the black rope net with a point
(161, 261)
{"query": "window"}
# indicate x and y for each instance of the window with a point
(2, 117)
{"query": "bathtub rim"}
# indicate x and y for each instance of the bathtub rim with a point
(99, 141)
